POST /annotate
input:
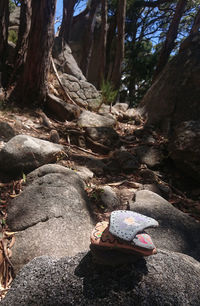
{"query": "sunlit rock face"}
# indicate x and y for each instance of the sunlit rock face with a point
(174, 97)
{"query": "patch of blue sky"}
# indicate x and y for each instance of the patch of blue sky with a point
(79, 7)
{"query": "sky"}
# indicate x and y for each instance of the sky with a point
(78, 8)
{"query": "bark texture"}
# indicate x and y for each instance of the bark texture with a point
(68, 11)
(22, 42)
(88, 38)
(117, 69)
(196, 24)
(4, 20)
(31, 88)
(103, 40)
(170, 38)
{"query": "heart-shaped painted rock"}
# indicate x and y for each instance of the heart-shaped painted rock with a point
(144, 241)
(101, 238)
(125, 224)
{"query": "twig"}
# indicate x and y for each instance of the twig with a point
(60, 82)
(84, 150)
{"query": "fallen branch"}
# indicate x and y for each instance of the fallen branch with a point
(61, 85)
(81, 149)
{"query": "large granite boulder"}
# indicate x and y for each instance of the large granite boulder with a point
(65, 61)
(177, 231)
(174, 96)
(81, 91)
(164, 279)
(184, 148)
(50, 216)
(25, 153)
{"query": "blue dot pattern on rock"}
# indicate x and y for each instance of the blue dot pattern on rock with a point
(126, 224)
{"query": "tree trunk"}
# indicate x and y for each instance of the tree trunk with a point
(196, 24)
(109, 46)
(117, 69)
(88, 38)
(31, 88)
(68, 11)
(22, 42)
(103, 39)
(170, 38)
(4, 20)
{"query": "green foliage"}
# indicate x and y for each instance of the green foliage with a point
(140, 61)
(12, 36)
(108, 93)
(12, 6)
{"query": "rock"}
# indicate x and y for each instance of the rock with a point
(164, 279)
(50, 215)
(84, 173)
(62, 110)
(127, 161)
(97, 166)
(148, 176)
(132, 114)
(184, 148)
(104, 135)
(6, 131)
(82, 92)
(89, 119)
(54, 136)
(149, 155)
(126, 224)
(24, 153)
(177, 231)
(102, 242)
(121, 107)
(104, 109)
(14, 17)
(65, 61)
(172, 98)
(109, 198)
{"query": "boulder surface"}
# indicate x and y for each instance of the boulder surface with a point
(50, 216)
(25, 153)
(164, 279)
(177, 231)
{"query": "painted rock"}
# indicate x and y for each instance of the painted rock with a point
(125, 224)
(143, 240)
(102, 238)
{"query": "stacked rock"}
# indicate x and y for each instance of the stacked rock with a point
(122, 239)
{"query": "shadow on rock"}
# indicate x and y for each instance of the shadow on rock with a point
(100, 280)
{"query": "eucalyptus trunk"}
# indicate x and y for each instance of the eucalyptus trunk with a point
(22, 42)
(68, 11)
(103, 40)
(31, 89)
(172, 33)
(4, 20)
(196, 24)
(119, 56)
(89, 37)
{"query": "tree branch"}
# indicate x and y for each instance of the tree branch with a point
(150, 3)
